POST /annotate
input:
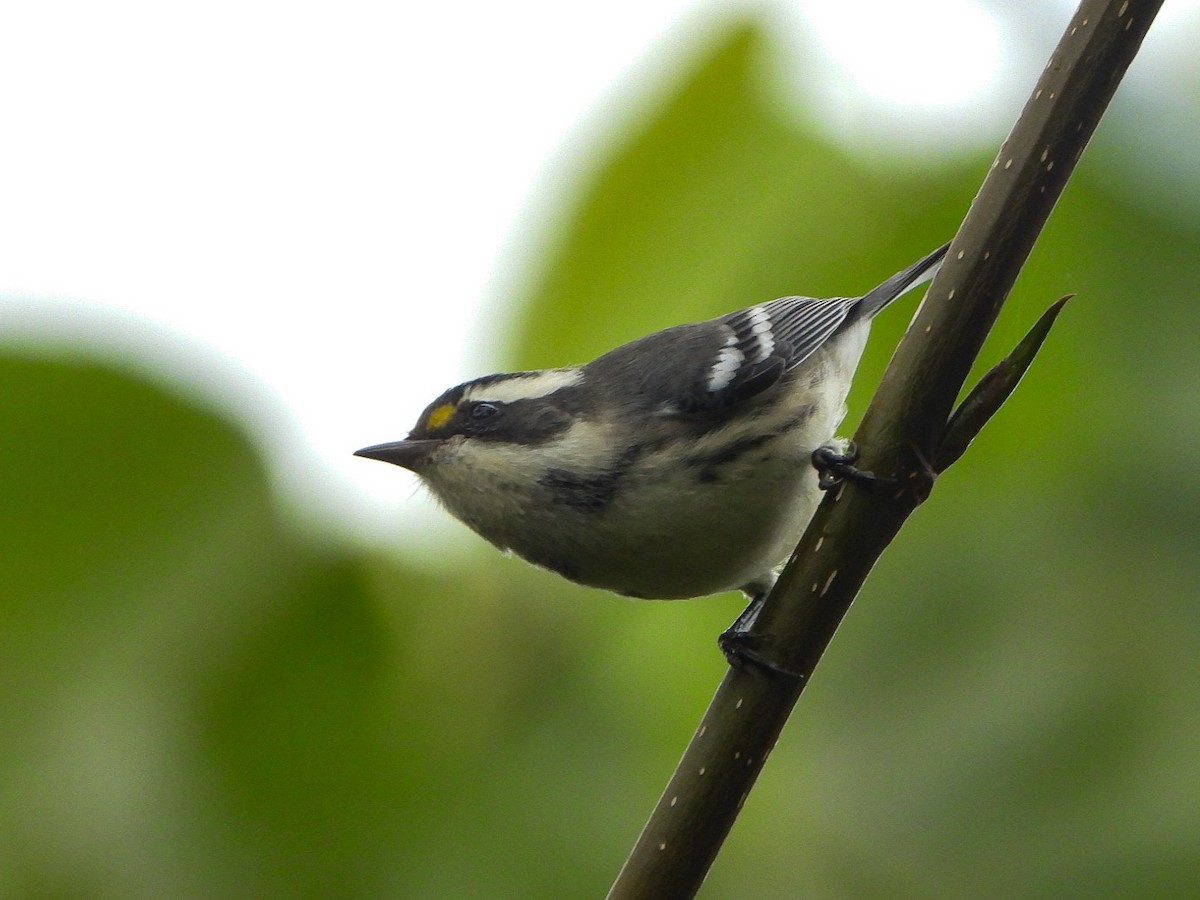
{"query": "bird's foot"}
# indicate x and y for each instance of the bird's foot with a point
(835, 465)
(741, 645)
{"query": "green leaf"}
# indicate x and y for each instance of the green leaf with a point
(722, 200)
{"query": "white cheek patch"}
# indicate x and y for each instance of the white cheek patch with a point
(576, 449)
(524, 387)
(465, 464)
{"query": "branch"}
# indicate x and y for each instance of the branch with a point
(904, 434)
(993, 389)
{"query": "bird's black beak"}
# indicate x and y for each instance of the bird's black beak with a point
(409, 454)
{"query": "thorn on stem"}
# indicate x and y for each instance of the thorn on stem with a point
(986, 398)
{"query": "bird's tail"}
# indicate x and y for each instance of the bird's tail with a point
(901, 283)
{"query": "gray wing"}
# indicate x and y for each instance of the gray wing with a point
(764, 342)
(790, 328)
(711, 366)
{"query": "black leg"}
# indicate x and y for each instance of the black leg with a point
(739, 643)
(833, 468)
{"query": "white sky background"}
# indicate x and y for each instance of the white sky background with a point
(311, 202)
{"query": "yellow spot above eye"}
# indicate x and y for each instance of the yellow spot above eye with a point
(439, 415)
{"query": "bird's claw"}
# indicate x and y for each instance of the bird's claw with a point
(741, 645)
(740, 652)
(834, 466)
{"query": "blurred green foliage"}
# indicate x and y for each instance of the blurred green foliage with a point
(201, 699)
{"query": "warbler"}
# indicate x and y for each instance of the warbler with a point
(676, 465)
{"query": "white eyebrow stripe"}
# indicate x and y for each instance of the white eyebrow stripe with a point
(524, 387)
(760, 328)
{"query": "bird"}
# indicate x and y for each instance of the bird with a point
(677, 465)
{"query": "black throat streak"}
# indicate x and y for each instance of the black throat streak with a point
(590, 492)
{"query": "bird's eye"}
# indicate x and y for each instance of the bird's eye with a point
(482, 410)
